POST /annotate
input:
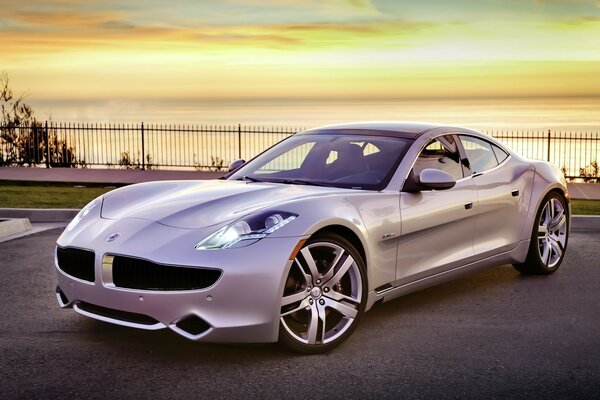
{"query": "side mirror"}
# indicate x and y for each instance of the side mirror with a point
(236, 164)
(435, 179)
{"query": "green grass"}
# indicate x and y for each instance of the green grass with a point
(585, 207)
(13, 196)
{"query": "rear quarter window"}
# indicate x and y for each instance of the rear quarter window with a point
(480, 153)
(501, 155)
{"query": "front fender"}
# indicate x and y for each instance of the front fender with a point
(373, 217)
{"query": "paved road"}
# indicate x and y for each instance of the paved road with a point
(493, 334)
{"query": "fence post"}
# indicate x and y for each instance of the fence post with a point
(47, 144)
(143, 149)
(549, 141)
(239, 141)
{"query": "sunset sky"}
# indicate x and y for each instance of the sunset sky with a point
(300, 49)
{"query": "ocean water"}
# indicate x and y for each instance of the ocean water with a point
(572, 114)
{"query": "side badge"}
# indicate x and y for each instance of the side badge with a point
(113, 236)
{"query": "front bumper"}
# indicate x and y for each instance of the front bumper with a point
(243, 306)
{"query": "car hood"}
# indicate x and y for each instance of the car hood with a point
(198, 204)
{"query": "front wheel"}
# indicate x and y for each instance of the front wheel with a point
(549, 237)
(324, 295)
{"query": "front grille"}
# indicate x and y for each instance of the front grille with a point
(117, 314)
(78, 263)
(134, 273)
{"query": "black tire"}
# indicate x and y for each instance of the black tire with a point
(318, 295)
(555, 237)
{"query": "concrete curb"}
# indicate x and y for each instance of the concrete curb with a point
(585, 222)
(67, 214)
(36, 228)
(14, 226)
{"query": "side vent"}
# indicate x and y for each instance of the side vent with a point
(383, 288)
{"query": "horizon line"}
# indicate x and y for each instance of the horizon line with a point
(309, 98)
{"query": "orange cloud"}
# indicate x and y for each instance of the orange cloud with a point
(76, 52)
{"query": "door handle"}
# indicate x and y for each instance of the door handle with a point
(515, 192)
(468, 205)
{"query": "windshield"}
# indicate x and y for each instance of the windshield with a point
(348, 161)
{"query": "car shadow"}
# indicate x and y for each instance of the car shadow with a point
(165, 345)
(472, 285)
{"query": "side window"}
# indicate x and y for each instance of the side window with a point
(501, 155)
(480, 154)
(369, 149)
(441, 153)
(333, 155)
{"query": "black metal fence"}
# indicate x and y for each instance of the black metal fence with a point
(134, 146)
(140, 146)
(577, 154)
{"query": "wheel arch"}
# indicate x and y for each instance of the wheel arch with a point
(560, 191)
(347, 234)
(553, 189)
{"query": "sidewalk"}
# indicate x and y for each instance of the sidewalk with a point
(587, 191)
(100, 176)
(119, 177)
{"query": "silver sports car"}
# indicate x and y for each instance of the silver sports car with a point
(296, 244)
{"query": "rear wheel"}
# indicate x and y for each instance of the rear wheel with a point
(549, 237)
(324, 295)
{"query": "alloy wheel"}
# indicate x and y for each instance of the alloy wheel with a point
(323, 294)
(552, 232)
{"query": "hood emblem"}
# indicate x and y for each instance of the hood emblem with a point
(113, 236)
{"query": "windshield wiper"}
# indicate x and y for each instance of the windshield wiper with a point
(303, 182)
(246, 178)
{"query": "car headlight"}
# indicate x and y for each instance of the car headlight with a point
(247, 230)
(83, 212)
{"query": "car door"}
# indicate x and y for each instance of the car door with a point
(503, 189)
(437, 225)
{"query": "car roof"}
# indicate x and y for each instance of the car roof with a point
(404, 129)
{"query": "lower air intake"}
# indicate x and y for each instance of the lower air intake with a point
(193, 325)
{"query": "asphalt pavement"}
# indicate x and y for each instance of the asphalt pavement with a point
(492, 334)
